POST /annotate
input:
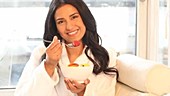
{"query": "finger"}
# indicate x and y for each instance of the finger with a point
(87, 81)
(57, 49)
(54, 48)
(71, 85)
(66, 80)
(78, 85)
(54, 43)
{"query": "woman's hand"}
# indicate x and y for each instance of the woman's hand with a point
(53, 54)
(76, 87)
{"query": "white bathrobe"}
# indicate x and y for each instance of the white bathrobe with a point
(35, 81)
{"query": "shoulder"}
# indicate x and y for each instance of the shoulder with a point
(111, 51)
(112, 56)
(37, 53)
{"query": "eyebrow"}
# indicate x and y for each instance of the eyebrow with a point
(73, 14)
(69, 16)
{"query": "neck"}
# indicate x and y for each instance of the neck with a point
(74, 52)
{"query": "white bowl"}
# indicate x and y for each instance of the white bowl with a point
(77, 73)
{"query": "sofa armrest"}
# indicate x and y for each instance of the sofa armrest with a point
(144, 75)
(124, 90)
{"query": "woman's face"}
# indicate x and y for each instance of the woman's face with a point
(69, 23)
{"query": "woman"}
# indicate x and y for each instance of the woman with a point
(68, 21)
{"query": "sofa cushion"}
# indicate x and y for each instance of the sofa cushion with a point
(143, 75)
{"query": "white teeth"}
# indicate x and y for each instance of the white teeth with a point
(72, 33)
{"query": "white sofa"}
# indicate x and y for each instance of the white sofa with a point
(141, 77)
(137, 76)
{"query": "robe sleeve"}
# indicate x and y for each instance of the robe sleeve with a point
(34, 80)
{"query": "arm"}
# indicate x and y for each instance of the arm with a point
(39, 80)
(35, 81)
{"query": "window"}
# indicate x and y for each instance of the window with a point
(22, 26)
(163, 31)
(116, 22)
(153, 30)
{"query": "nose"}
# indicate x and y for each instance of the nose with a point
(69, 25)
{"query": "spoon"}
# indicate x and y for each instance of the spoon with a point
(73, 44)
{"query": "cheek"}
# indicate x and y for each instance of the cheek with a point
(60, 29)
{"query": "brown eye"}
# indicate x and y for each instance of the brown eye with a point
(60, 22)
(74, 17)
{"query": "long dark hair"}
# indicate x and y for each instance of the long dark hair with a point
(91, 37)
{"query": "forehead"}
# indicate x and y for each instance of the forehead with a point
(65, 9)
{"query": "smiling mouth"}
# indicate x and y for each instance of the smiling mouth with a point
(72, 33)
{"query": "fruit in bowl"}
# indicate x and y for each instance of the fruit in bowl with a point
(79, 72)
